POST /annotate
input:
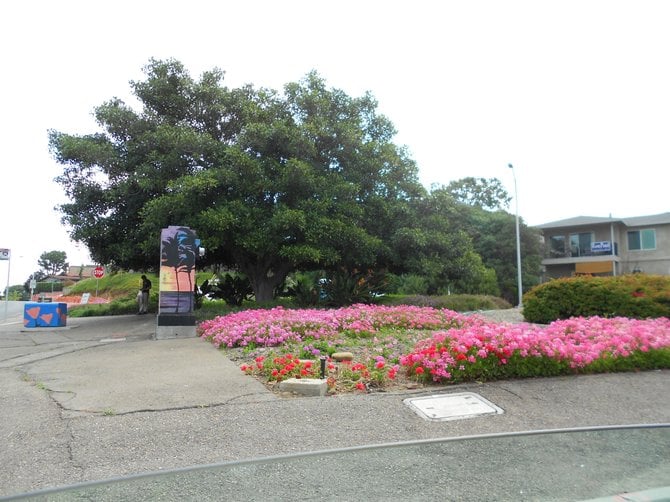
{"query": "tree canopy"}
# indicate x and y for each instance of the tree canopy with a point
(308, 178)
(53, 263)
(493, 236)
(270, 181)
(480, 192)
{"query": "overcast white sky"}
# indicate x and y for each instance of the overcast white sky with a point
(574, 93)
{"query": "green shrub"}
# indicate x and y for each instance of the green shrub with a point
(347, 287)
(305, 288)
(637, 296)
(233, 288)
(409, 284)
(457, 303)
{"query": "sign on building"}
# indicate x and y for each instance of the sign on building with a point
(601, 247)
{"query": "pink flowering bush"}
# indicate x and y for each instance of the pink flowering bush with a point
(277, 326)
(482, 350)
(430, 345)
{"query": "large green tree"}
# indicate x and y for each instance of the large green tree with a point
(53, 263)
(272, 182)
(493, 232)
(439, 248)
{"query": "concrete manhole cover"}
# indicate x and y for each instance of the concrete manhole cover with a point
(452, 406)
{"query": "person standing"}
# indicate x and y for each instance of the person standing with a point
(143, 296)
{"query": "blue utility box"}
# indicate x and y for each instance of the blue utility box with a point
(41, 315)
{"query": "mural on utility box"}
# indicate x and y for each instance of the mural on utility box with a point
(45, 315)
(179, 248)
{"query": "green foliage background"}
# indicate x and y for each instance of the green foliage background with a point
(121, 289)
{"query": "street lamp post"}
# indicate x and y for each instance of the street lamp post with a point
(518, 241)
(7, 255)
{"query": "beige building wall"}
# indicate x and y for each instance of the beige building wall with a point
(656, 261)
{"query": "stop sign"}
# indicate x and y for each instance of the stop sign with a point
(98, 272)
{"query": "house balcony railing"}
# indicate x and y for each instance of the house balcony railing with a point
(579, 253)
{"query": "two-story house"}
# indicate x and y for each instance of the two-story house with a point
(606, 246)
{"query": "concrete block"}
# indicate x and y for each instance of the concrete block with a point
(175, 326)
(168, 332)
(305, 386)
(343, 356)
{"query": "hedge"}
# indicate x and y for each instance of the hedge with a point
(637, 296)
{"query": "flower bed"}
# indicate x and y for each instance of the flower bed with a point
(406, 346)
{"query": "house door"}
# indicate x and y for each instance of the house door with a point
(580, 244)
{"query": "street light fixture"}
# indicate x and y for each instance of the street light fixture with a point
(518, 240)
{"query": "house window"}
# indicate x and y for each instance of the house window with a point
(642, 239)
(557, 245)
(580, 244)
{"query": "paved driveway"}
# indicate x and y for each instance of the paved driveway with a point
(101, 399)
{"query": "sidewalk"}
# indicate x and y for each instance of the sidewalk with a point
(100, 399)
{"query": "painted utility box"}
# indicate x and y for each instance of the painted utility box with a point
(179, 249)
(44, 315)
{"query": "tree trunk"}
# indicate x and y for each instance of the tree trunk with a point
(264, 280)
(264, 291)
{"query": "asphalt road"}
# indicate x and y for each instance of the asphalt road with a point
(100, 399)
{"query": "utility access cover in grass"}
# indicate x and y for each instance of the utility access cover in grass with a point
(452, 406)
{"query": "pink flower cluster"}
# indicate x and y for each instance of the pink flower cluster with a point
(278, 325)
(578, 341)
